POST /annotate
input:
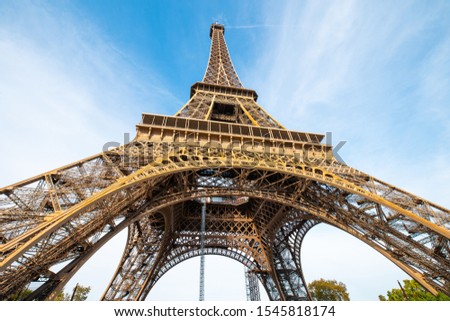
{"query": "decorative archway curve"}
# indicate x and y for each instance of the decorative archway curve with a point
(304, 208)
(298, 228)
(174, 199)
(318, 175)
(164, 167)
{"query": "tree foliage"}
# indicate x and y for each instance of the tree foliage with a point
(20, 296)
(412, 291)
(328, 290)
(79, 293)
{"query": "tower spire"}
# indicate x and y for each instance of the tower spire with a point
(220, 70)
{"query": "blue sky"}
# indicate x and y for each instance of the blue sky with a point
(77, 74)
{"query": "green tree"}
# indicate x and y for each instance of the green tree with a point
(328, 290)
(79, 293)
(20, 296)
(61, 296)
(412, 291)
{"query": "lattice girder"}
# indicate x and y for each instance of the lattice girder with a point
(147, 242)
(235, 245)
(220, 69)
(271, 177)
(239, 241)
(287, 245)
(246, 110)
(252, 286)
(220, 144)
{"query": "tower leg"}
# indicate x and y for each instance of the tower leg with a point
(252, 287)
(145, 247)
(286, 260)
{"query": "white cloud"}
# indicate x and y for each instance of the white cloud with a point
(344, 67)
(250, 26)
(65, 90)
(329, 253)
(376, 75)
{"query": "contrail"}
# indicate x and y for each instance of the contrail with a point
(251, 26)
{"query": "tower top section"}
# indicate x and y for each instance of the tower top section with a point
(216, 26)
(220, 69)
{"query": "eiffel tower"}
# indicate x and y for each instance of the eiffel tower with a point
(265, 187)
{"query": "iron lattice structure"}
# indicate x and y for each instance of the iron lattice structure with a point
(267, 186)
(251, 286)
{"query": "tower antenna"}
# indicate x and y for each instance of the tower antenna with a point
(202, 252)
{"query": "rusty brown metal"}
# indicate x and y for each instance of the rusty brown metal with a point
(266, 188)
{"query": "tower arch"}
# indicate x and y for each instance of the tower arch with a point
(268, 187)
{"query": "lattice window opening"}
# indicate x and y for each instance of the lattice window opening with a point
(216, 181)
(388, 215)
(414, 203)
(14, 199)
(395, 244)
(63, 234)
(224, 112)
